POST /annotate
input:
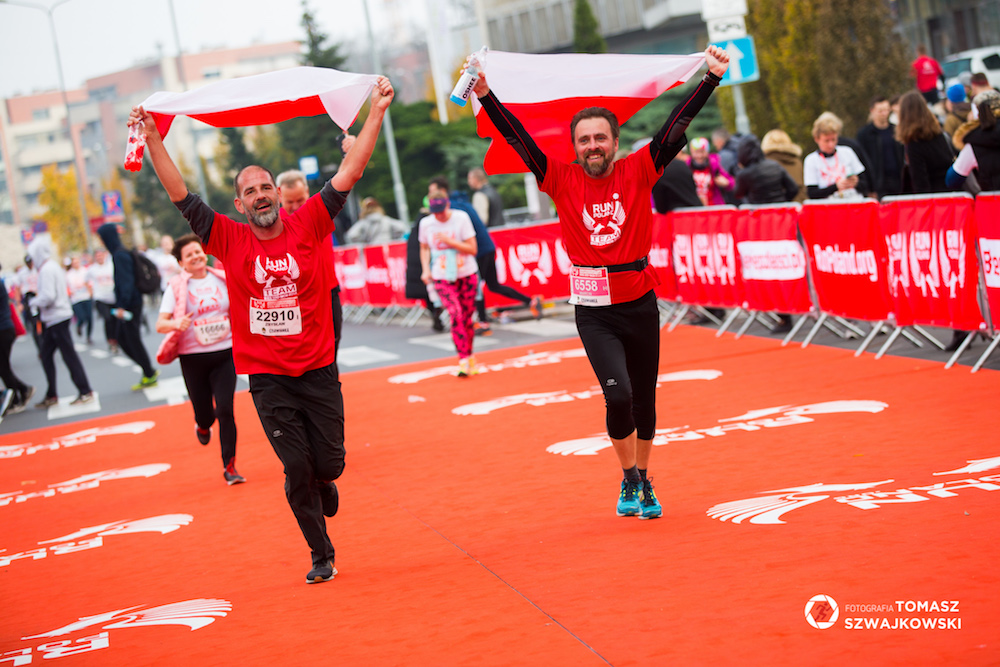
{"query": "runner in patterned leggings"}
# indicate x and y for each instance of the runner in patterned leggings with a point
(607, 226)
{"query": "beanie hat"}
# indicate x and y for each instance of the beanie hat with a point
(956, 93)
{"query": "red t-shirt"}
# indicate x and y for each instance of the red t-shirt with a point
(279, 291)
(927, 71)
(608, 220)
(328, 251)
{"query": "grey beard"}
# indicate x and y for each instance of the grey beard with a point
(263, 220)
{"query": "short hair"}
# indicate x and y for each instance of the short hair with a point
(827, 123)
(182, 241)
(720, 133)
(878, 99)
(594, 112)
(290, 177)
(370, 205)
(441, 183)
(478, 173)
(979, 80)
(236, 178)
(921, 50)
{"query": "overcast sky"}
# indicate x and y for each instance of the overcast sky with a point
(102, 36)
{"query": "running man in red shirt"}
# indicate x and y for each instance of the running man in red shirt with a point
(279, 294)
(607, 225)
(926, 71)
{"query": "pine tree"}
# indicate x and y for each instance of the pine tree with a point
(586, 35)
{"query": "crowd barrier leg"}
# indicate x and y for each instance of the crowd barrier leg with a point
(413, 316)
(667, 309)
(362, 313)
(869, 338)
(679, 316)
(820, 321)
(387, 315)
(728, 322)
(888, 343)
(961, 348)
(987, 353)
(799, 323)
(850, 326)
(926, 334)
(752, 316)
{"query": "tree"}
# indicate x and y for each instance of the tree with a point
(316, 135)
(233, 154)
(60, 197)
(150, 203)
(586, 36)
(819, 55)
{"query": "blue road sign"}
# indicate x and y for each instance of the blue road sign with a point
(111, 202)
(742, 61)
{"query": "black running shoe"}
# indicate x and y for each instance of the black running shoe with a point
(323, 572)
(203, 434)
(232, 477)
(331, 498)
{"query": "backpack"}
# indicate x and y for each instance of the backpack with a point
(147, 276)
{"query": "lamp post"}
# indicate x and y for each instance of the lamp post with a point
(77, 158)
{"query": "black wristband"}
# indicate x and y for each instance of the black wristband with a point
(711, 79)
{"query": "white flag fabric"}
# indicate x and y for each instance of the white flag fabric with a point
(545, 91)
(267, 98)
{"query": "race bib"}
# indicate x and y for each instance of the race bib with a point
(275, 317)
(211, 330)
(589, 287)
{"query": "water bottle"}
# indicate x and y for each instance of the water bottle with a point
(126, 314)
(465, 84)
(136, 147)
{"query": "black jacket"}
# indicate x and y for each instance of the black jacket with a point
(127, 295)
(675, 188)
(871, 143)
(762, 181)
(415, 287)
(986, 146)
(927, 164)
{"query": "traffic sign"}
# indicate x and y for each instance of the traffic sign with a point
(730, 27)
(742, 61)
(111, 202)
(309, 165)
(717, 9)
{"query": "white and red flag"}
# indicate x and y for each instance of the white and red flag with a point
(544, 91)
(267, 98)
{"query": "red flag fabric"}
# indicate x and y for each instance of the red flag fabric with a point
(544, 91)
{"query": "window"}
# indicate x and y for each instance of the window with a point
(992, 61)
(40, 114)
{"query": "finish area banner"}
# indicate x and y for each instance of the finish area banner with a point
(705, 259)
(772, 262)
(847, 257)
(988, 233)
(932, 271)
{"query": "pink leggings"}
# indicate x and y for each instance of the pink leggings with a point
(459, 299)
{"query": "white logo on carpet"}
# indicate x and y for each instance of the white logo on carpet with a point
(84, 437)
(91, 481)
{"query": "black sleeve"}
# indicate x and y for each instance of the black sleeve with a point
(515, 134)
(670, 139)
(742, 185)
(199, 215)
(333, 199)
(791, 187)
(816, 192)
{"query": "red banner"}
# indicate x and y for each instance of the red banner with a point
(988, 237)
(659, 257)
(772, 262)
(847, 258)
(532, 260)
(704, 257)
(377, 276)
(932, 271)
(350, 267)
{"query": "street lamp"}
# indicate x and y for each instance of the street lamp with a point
(77, 158)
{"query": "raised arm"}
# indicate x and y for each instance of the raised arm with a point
(170, 177)
(511, 129)
(360, 151)
(670, 139)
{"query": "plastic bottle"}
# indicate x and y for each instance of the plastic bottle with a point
(466, 82)
(136, 147)
(126, 314)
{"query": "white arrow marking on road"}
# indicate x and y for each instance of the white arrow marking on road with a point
(735, 56)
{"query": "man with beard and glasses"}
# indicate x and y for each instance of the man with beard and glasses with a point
(279, 295)
(607, 225)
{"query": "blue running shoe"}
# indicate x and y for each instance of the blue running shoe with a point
(650, 505)
(628, 500)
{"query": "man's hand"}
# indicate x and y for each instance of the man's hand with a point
(140, 115)
(717, 60)
(346, 143)
(382, 94)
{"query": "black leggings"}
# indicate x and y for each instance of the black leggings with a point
(130, 340)
(208, 376)
(623, 344)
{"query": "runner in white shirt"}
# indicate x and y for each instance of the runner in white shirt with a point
(81, 297)
(101, 276)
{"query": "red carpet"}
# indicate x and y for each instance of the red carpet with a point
(489, 537)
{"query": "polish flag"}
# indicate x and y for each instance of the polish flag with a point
(267, 98)
(545, 91)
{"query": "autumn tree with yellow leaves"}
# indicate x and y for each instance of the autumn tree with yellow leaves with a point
(61, 200)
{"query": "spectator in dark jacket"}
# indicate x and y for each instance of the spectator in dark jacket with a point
(128, 305)
(883, 153)
(778, 146)
(979, 141)
(928, 155)
(760, 180)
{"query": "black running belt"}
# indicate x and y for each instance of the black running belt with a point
(637, 265)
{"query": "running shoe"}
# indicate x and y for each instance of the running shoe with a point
(232, 477)
(147, 382)
(482, 329)
(536, 307)
(47, 402)
(463, 368)
(650, 505)
(204, 435)
(323, 572)
(83, 399)
(628, 499)
(330, 497)
(6, 400)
